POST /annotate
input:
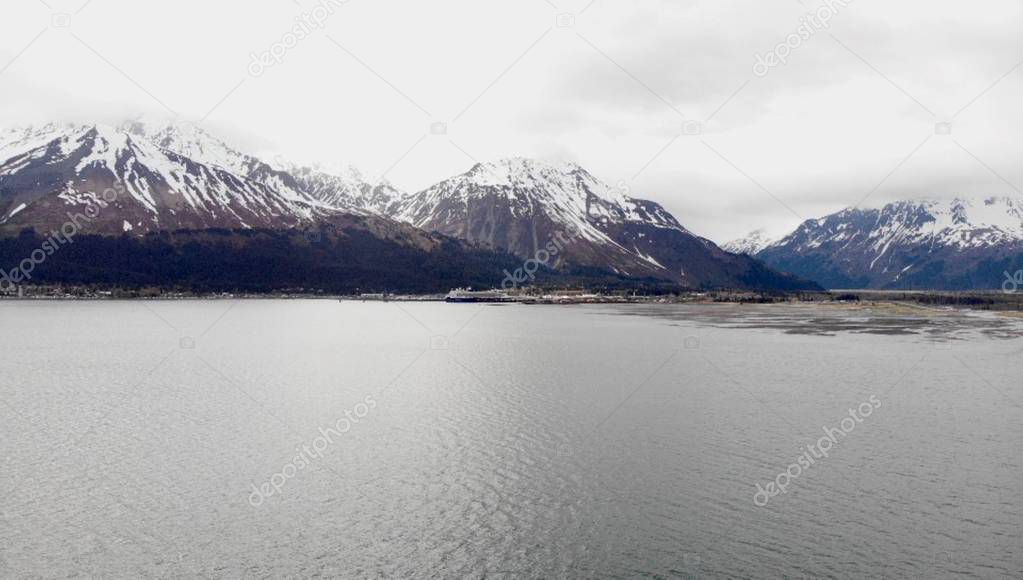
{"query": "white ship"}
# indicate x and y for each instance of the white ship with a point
(469, 295)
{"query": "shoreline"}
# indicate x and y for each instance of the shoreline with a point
(907, 302)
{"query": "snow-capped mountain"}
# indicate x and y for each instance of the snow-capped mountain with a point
(750, 244)
(49, 172)
(523, 206)
(347, 189)
(962, 243)
(195, 143)
(565, 190)
(190, 141)
(18, 140)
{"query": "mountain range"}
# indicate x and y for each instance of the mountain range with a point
(958, 244)
(173, 182)
(179, 179)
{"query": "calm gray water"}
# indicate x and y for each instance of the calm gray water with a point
(505, 441)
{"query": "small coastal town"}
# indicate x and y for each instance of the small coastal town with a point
(535, 295)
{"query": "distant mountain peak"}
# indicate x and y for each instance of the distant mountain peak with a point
(522, 172)
(750, 244)
(918, 243)
(346, 188)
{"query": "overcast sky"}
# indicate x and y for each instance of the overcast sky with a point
(614, 85)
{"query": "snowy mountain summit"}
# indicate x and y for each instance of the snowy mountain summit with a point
(171, 178)
(564, 192)
(956, 243)
(750, 244)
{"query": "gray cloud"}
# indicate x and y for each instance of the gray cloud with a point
(819, 132)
